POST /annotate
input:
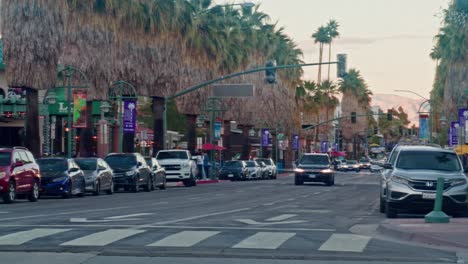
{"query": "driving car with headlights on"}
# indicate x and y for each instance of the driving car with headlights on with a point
(314, 167)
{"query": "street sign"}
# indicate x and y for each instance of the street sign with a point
(217, 132)
(233, 90)
(423, 127)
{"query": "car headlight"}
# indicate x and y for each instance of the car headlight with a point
(130, 173)
(298, 170)
(2, 174)
(457, 182)
(325, 171)
(399, 179)
(64, 178)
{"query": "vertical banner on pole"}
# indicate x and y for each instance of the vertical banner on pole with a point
(423, 127)
(79, 109)
(295, 142)
(129, 116)
(454, 127)
(463, 119)
(217, 129)
(449, 136)
(265, 137)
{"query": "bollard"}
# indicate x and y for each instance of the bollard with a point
(437, 215)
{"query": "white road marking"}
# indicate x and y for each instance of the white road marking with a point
(315, 211)
(253, 222)
(184, 239)
(281, 217)
(316, 192)
(196, 217)
(268, 204)
(265, 240)
(3, 212)
(127, 216)
(160, 203)
(345, 242)
(103, 238)
(64, 213)
(22, 237)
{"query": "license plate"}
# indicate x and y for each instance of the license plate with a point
(430, 196)
(312, 176)
(230, 175)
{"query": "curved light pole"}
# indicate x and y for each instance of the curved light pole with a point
(431, 120)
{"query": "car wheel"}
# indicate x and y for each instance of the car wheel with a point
(163, 185)
(97, 188)
(111, 189)
(382, 206)
(298, 181)
(188, 183)
(136, 186)
(10, 195)
(153, 182)
(34, 193)
(83, 190)
(330, 181)
(390, 212)
(68, 193)
(149, 184)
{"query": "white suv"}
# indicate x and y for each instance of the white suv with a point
(270, 166)
(179, 166)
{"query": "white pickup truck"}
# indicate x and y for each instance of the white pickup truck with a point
(179, 166)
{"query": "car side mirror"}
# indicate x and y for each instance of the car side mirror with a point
(139, 164)
(101, 168)
(388, 166)
(19, 163)
(73, 170)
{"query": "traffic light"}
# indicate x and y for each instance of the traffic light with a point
(270, 74)
(390, 115)
(353, 117)
(341, 70)
(376, 130)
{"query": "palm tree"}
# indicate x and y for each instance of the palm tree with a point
(332, 28)
(321, 36)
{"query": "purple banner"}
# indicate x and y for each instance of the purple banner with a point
(324, 147)
(454, 137)
(129, 116)
(265, 137)
(295, 142)
(463, 119)
(449, 136)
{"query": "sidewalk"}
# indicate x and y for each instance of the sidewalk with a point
(453, 234)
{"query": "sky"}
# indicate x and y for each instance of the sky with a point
(388, 41)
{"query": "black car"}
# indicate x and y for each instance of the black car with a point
(61, 176)
(98, 175)
(234, 170)
(314, 168)
(159, 173)
(130, 171)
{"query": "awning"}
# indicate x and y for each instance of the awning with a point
(461, 150)
(338, 154)
(209, 146)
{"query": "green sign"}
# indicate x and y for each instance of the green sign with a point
(60, 107)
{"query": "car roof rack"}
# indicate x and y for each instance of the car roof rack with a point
(9, 147)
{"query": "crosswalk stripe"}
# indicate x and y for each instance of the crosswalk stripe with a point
(345, 242)
(103, 238)
(22, 237)
(265, 240)
(184, 239)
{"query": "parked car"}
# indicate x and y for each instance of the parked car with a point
(234, 170)
(375, 168)
(314, 167)
(19, 175)
(255, 171)
(272, 171)
(61, 176)
(352, 165)
(130, 171)
(98, 175)
(364, 163)
(411, 182)
(179, 166)
(159, 173)
(264, 169)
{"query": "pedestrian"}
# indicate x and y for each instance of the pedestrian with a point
(206, 164)
(201, 172)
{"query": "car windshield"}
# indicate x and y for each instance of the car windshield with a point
(86, 164)
(266, 161)
(53, 164)
(428, 160)
(364, 160)
(149, 161)
(232, 164)
(172, 155)
(315, 160)
(352, 162)
(251, 164)
(121, 161)
(5, 158)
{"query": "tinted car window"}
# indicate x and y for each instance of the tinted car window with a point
(315, 159)
(121, 161)
(233, 164)
(428, 160)
(351, 162)
(53, 164)
(251, 164)
(172, 155)
(87, 164)
(5, 158)
(149, 161)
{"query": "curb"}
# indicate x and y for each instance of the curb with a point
(387, 230)
(207, 181)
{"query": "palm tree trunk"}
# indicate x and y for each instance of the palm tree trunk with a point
(319, 77)
(32, 139)
(329, 59)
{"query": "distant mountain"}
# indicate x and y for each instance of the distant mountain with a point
(388, 101)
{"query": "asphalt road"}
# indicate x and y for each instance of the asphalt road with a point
(231, 221)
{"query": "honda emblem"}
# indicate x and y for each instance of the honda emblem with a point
(429, 184)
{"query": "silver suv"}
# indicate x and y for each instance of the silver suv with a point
(409, 181)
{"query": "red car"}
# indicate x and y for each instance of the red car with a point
(19, 174)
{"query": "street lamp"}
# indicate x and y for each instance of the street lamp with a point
(431, 120)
